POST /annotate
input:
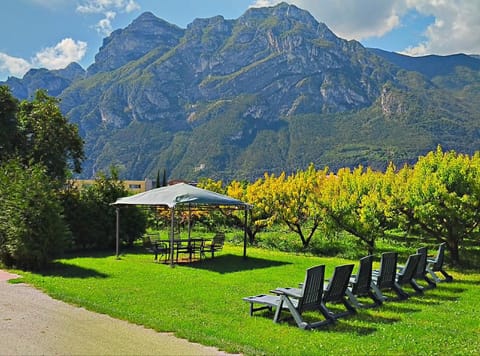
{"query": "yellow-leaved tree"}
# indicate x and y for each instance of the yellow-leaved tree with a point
(442, 197)
(357, 202)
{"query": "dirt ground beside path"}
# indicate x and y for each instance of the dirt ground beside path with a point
(33, 323)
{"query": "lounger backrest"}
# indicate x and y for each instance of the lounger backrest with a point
(364, 276)
(440, 256)
(422, 262)
(335, 290)
(410, 269)
(388, 270)
(312, 289)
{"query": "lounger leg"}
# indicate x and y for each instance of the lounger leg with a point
(448, 278)
(276, 318)
(352, 298)
(350, 308)
(400, 292)
(253, 309)
(434, 276)
(416, 286)
(326, 313)
(378, 292)
(375, 298)
(296, 315)
(431, 284)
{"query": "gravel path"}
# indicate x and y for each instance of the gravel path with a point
(33, 323)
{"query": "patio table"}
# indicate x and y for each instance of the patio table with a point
(191, 247)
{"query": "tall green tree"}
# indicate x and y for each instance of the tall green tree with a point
(157, 182)
(8, 122)
(46, 136)
(38, 146)
(164, 179)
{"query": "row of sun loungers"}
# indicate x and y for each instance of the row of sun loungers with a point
(315, 293)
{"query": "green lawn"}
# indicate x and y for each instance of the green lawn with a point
(202, 302)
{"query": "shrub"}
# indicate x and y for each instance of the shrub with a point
(32, 229)
(92, 218)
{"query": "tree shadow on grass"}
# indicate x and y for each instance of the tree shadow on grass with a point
(464, 281)
(65, 270)
(455, 290)
(106, 252)
(229, 263)
(88, 253)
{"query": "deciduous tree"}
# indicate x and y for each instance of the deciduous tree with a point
(442, 197)
(32, 229)
(46, 136)
(357, 202)
(8, 122)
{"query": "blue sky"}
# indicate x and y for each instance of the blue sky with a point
(53, 33)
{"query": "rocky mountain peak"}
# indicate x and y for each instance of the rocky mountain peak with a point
(53, 81)
(71, 72)
(286, 15)
(208, 29)
(145, 33)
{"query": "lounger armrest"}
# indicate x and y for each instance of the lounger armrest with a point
(288, 291)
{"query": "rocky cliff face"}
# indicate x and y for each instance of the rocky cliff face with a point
(282, 55)
(144, 34)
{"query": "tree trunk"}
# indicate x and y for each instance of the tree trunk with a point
(370, 246)
(452, 245)
(251, 235)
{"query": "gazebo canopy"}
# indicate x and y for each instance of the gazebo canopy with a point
(180, 194)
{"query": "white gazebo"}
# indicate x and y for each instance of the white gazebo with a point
(180, 195)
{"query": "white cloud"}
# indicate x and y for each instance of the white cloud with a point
(265, 3)
(103, 6)
(352, 19)
(109, 9)
(104, 26)
(57, 57)
(13, 65)
(64, 53)
(456, 27)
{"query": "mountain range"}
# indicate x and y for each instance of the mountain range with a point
(271, 91)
